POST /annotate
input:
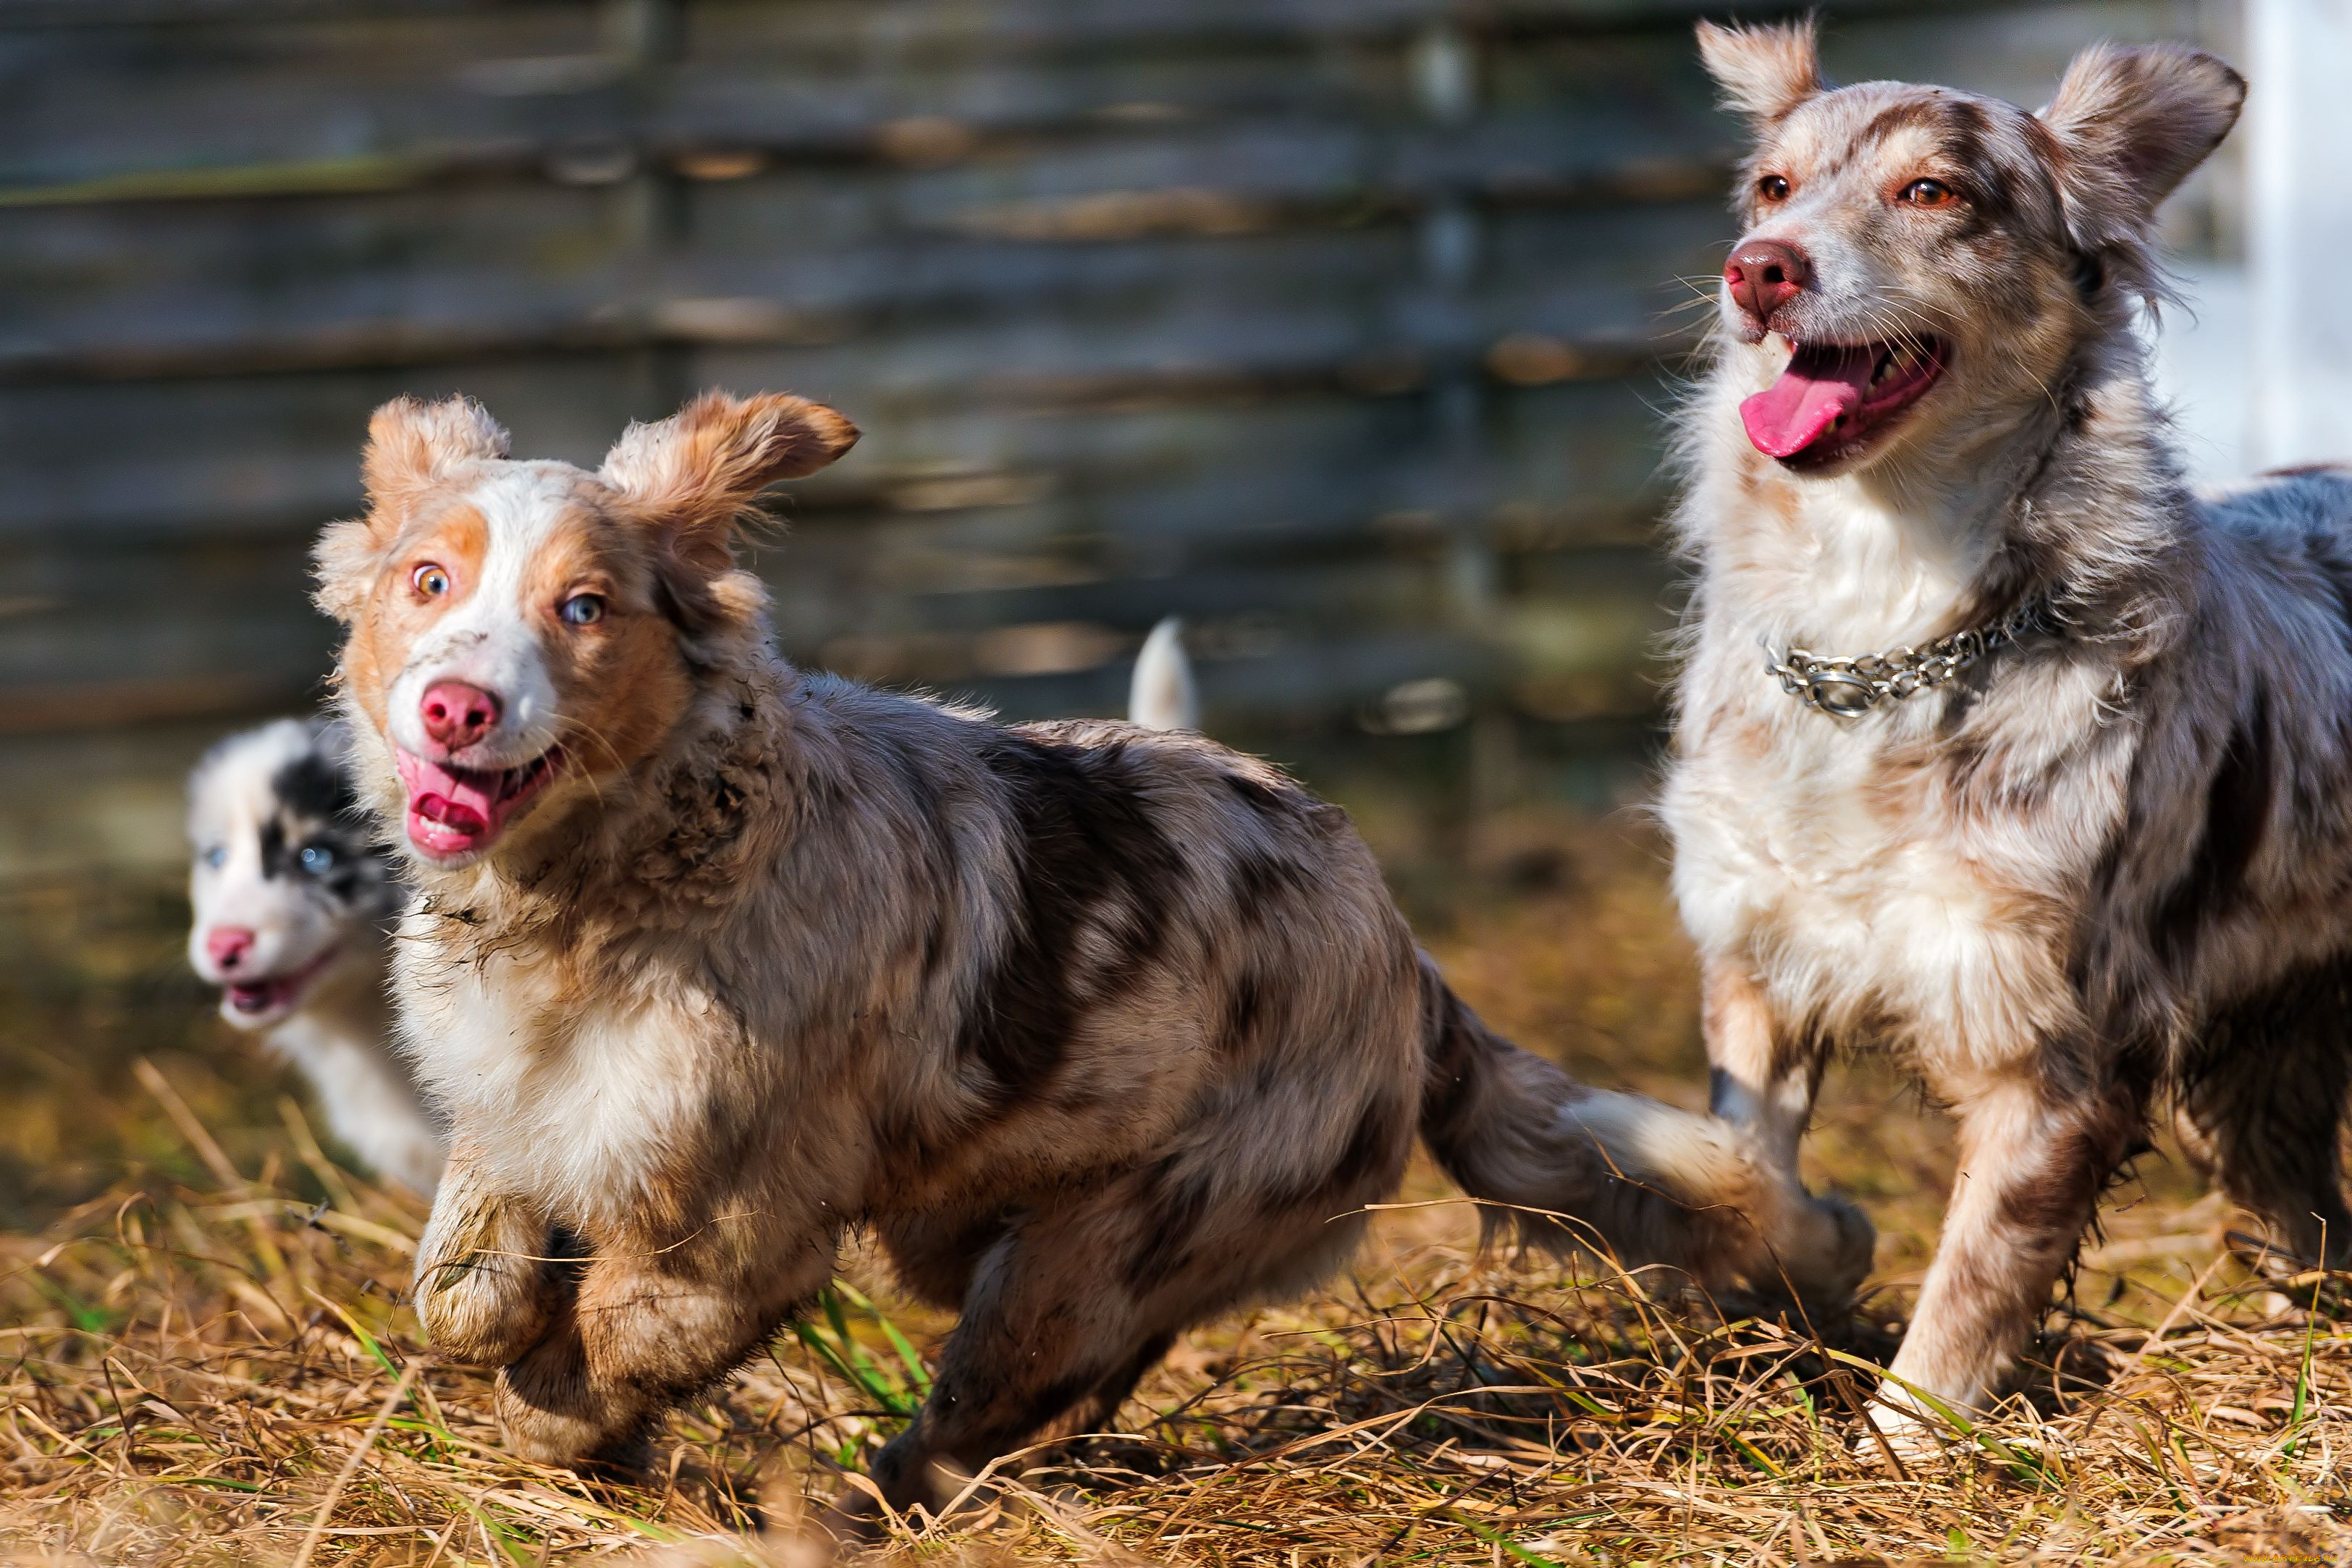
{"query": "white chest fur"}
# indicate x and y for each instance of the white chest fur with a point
(1832, 859)
(579, 1103)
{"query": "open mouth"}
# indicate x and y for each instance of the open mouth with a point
(1835, 398)
(454, 812)
(259, 1000)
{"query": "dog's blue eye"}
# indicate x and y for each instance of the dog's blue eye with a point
(317, 859)
(582, 609)
(216, 857)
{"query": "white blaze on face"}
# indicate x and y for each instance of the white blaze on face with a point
(489, 640)
(258, 934)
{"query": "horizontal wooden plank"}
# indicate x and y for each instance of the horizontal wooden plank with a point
(912, 26)
(83, 296)
(304, 100)
(253, 455)
(231, 111)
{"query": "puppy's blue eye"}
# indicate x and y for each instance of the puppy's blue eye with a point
(216, 857)
(582, 609)
(317, 859)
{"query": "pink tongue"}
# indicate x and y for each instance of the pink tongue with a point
(447, 813)
(1820, 385)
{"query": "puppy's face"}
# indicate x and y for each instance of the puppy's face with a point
(289, 890)
(519, 630)
(1917, 264)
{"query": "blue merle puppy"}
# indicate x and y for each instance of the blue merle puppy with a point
(293, 907)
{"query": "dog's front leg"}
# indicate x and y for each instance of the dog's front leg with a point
(2033, 1161)
(654, 1322)
(485, 1287)
(1762, 1078)
(1758, 1076)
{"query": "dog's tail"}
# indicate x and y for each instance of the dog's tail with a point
(1567, 1167)
(1162, 696)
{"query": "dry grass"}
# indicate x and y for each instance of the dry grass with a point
(212, 1361)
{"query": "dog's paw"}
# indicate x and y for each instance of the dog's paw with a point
(554, 1413)
(485, 1290)
(1913, 1437)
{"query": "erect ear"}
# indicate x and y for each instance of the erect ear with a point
(699, 469)
(411, 445)
(2131, 124)
(1764, 71)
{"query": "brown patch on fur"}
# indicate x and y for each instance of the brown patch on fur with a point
(457, 537)
(622, 681)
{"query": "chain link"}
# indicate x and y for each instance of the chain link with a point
(1849, 687)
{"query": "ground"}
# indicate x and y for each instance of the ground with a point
(206, 1356)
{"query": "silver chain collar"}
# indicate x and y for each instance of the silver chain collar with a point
(1849, 687)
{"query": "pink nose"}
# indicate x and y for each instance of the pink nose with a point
(1766, 274)
(457, 714)
(228, 945)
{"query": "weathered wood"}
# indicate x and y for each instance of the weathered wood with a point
(1337, 325)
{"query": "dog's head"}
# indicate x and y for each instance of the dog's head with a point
(290, 891)
(1917, 263)
(519, 630)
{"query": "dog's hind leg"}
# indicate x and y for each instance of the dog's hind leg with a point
(2263, 1098)
(2034, 1158)
(1043, 1333)
(1076, 1303)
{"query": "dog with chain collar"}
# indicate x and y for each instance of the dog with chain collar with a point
(2076, 850)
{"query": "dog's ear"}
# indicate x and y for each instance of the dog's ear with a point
(1764, 71)
(412, 445)
(2131, 123)
(697, 471)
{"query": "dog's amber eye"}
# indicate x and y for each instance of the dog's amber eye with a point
(582, 609)
(1928, 193)
(430, 580)
(1773, 188)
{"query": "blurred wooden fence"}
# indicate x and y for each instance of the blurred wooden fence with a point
(1334, 325)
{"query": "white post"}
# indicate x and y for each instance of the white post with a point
(2299, 230)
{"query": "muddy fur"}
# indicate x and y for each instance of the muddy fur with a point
(1101, 1030)
(2105, 870)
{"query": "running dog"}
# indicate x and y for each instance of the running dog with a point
(1997, 748)
(1101, 1030)
(294, 904)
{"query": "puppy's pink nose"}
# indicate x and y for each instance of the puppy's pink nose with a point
(228, 945)
(457, 714)
(1766, 274)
